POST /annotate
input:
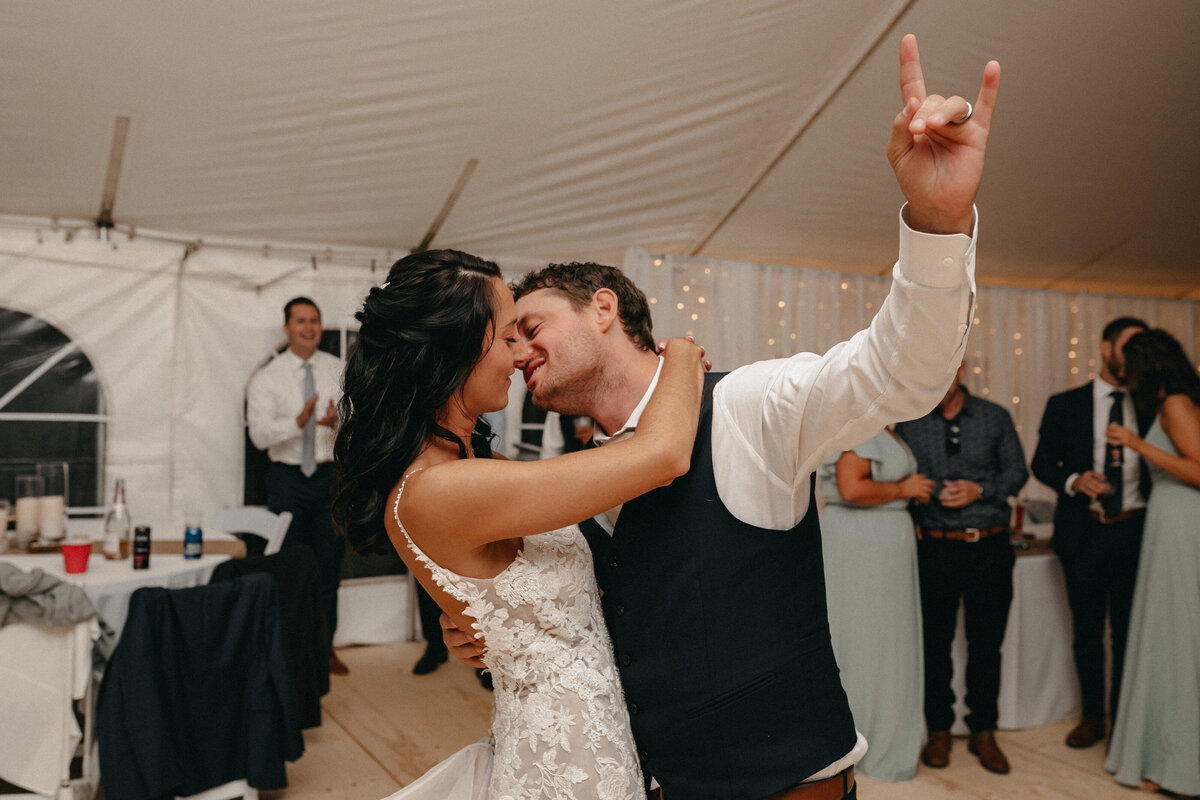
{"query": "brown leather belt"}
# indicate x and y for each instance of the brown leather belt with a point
(965, 535)
(834, 788)
(1123, 516)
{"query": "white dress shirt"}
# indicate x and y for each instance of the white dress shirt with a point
(1131, 476)
(775, 421)
(275, 398)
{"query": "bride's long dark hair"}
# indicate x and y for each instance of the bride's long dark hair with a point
(420, 335)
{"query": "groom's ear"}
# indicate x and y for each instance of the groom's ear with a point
(605, 307)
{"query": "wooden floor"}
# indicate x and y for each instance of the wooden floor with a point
(384, 726)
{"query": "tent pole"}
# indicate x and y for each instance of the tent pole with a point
(884, 27)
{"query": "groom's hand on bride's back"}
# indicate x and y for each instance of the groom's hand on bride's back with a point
(463, 646)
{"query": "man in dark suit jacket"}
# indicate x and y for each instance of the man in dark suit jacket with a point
(1097, 535)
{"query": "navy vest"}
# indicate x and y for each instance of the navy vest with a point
(722, 639)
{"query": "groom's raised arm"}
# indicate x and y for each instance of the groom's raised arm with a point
(775, 421)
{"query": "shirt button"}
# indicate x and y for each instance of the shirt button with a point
(613, 564)
(620, 609)
(947, 262)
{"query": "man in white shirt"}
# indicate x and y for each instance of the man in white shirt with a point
(290, 411)
(693, 573)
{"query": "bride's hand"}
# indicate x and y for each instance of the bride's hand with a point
(662, 348)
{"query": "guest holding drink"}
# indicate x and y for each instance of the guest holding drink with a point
(871, 583)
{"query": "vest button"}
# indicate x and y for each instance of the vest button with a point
(626, 661)
(644, 756)
(620, 609)
(633, 708)
(614, 564)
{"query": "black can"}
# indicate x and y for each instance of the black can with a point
(141, 547)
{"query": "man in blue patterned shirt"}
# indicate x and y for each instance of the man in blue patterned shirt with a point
(970, 448)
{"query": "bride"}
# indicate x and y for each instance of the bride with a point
(493, 540)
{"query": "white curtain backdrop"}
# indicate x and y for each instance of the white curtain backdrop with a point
(1025, 344)
(174, 336)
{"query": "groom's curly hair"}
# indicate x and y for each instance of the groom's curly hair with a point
(580, 281)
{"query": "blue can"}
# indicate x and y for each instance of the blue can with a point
(193, 542)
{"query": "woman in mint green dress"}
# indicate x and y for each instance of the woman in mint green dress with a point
(1156, 735)
(874, 600)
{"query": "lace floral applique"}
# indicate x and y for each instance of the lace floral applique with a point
(560, 729)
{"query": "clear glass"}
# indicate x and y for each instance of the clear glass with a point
(52, 508)
(28, 509)
(5, 538)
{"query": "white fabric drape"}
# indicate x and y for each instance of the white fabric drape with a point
(174, 339)
(1025, 345)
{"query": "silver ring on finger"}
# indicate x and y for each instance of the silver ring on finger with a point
(964, 117)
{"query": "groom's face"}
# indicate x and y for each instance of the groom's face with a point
(560, 352)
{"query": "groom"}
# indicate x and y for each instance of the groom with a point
(694, 572)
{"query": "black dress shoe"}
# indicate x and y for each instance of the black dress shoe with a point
(485, 678)
(429, 662)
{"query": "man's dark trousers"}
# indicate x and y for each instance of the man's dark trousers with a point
(312, 524)
(1100, 578)
(980, 575)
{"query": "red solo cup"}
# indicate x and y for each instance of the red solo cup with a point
(75, 555)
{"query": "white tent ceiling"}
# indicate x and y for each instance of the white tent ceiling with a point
(751, 130)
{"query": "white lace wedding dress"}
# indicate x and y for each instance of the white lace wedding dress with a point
(559, 725)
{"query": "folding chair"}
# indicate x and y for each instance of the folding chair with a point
(258, 521)
(43, 673)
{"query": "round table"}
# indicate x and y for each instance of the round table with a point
(110, 584)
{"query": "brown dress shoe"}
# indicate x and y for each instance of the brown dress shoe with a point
(936, 752)
(336, 665)
(1089, 731)
(983, 744)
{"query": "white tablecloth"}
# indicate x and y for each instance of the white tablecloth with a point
(1038, 684)
(109, 584)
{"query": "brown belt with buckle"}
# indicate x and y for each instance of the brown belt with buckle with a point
(1123, 516)
(834, 788)
(966, 534)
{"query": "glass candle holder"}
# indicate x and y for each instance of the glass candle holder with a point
(52, 506)
(28, 509)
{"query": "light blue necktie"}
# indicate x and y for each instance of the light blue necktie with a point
(308, 451)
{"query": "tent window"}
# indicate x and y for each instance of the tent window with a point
(51, 408)
(336, 341)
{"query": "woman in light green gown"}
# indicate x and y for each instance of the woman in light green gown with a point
(1156, 735)
(874, 599)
